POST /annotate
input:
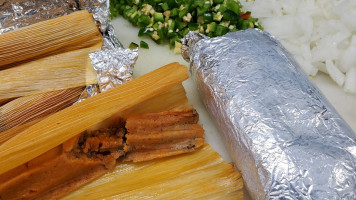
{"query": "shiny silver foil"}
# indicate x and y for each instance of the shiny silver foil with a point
(114, 67)
(282, 133)
(114, 64)
(15, 14)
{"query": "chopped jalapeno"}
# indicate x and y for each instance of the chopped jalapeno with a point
(133, 45)
(171, 20)
(144, 45)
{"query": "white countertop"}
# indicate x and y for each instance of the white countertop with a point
(159, 55)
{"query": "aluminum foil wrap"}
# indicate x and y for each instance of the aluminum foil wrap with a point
(114, 64)
(282, 133)
(15, 14)
(114, 69)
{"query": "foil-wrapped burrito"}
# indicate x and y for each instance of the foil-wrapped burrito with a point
(282, 133)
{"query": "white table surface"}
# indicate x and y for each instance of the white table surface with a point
(159, 55)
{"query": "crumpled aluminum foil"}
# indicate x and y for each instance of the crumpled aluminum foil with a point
(114, 69)
(15, 14)
(114, 64)
(282, 133)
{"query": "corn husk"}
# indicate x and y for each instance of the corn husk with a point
(61, 71)
(8, 134)
(73, 120)
(202, 174)
(173, 98)
(5, 101)
(69, 31)
(25, 109)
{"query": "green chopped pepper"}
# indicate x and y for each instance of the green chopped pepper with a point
(133, 45)
(171, 20)
(144, 45)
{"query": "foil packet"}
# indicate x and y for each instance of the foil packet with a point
(282, 133)
(113, 64)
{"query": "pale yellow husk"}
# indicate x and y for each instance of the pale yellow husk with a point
(173, 98)
(67, 31)
(5, 101)
(61, 71)
(10, 133)
(28, 108)
(199, 175)
(65, 124)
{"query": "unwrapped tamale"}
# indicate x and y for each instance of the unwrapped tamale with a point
(64, 168)
(94, 152)
(157, 135)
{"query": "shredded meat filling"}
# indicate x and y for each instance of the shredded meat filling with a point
(157, 135)
(88, 156)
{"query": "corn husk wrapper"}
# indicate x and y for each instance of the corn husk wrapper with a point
(61, 71)
(59, 34)
(28, 108)
(202, 174)
(10, 133)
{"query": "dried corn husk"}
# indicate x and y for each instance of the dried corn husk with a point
(199, 175)
(173, 98)
(5, 101)
(71, 30)
(25, 109)
(8, 134)
(71, 121)
(61, 71)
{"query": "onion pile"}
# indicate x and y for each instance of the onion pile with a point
(320, 34)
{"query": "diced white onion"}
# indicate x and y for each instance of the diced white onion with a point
(320, 34)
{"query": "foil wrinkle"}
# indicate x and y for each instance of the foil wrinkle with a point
(282, 133)
(114, 67)
(15, 14)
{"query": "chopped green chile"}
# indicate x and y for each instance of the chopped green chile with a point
(144, 45)
(133, 45)
(171, 20)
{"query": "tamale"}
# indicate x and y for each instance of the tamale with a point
(96, 149)
(75, 119)
(64, 168)
(25, 109)
(202, 174)
(77, 28)
(61, 71)
(155, 135)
